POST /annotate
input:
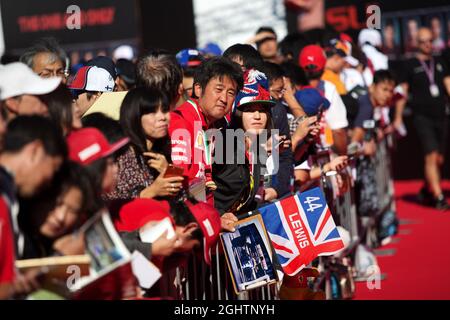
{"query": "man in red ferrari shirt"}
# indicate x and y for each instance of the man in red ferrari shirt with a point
(216, 84)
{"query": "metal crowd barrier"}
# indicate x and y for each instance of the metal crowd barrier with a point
(385, 189)
(198, 281)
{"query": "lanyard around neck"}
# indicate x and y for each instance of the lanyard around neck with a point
(428, 70)
(192, 103)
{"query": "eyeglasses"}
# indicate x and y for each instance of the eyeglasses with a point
(54, 73)
(426, 41)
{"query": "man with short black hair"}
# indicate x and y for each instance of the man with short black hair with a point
(266, 43)
(379, 95)
(244, 55)
(215, 87)
(34, 149)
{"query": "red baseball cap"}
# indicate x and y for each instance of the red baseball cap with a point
(88, 144)
(312, 58)
(345, 37)
(208, 219)
(135, 214)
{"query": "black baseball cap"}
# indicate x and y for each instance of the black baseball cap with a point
(126, 70)
(105, 63)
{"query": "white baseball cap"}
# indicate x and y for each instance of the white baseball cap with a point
(371, 36)
(123, 52)
(17, 79)
(91, 78)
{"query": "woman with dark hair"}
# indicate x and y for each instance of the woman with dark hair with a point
(144, 117)
(62, 110)
(238, 182)
(89, 147)
(57, 211)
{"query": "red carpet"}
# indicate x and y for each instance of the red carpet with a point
(420, 267)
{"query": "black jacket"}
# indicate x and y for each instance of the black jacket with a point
(281, 181)
(233, 181)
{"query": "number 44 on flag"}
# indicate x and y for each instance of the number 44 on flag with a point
(301, 228)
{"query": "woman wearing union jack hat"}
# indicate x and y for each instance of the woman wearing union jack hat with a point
(238, 178)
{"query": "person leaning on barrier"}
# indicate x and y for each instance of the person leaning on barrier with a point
(56, 211)
(238, 176)
(379, 95)
(366, 134)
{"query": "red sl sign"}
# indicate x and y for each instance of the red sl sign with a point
(344, 18)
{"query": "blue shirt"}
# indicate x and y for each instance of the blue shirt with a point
(365, 111)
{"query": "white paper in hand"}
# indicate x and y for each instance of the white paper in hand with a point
(145, 272)
(151, 232)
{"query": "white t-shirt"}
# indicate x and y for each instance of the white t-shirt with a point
(336, 115)
(352, 78)
(379, 60)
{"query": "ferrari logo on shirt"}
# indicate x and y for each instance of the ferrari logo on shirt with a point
(199, 141)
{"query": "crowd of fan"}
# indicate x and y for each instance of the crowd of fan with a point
(60, 164)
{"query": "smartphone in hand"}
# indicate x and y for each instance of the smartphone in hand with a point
(173, 171)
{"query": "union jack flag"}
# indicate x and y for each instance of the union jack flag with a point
(301, 228)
